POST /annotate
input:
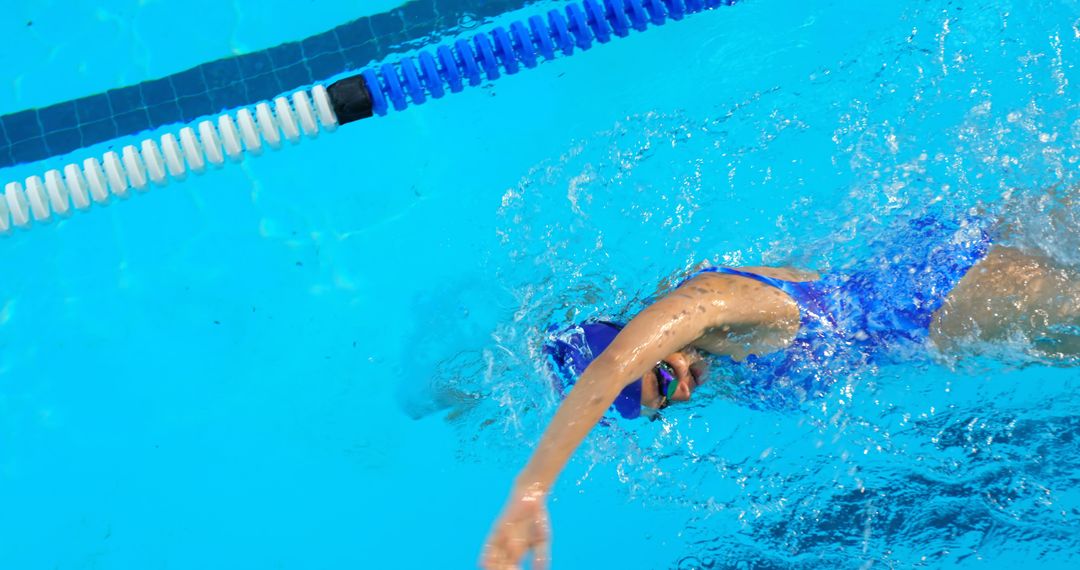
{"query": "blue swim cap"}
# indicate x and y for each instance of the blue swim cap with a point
(570, 350)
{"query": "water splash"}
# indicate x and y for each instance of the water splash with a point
(937, 462)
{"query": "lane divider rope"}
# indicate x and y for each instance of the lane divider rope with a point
(431, 74)
(210, 142)
(450, 68)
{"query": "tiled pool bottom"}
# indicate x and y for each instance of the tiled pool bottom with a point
(203, 377)
(36, 134)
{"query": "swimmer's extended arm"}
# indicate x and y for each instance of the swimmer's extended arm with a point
(668, 325)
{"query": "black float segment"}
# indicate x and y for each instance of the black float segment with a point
(351, 99)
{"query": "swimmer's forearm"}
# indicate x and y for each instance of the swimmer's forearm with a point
(665, 327)
(577, 415)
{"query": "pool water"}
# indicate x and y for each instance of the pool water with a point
(328, 357)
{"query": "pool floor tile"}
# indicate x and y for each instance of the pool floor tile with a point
(230, 82)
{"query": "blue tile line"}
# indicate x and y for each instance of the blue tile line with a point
(217, 86)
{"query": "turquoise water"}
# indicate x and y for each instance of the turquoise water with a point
(327, 356)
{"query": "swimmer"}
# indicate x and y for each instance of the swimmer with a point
(942, 284)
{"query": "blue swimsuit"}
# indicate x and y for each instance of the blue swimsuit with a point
(872, 315)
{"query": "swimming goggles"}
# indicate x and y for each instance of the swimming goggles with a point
(667, 382)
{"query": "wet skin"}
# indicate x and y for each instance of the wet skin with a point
(1008, 291)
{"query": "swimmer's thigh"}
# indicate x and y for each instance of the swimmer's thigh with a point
(1012, 291)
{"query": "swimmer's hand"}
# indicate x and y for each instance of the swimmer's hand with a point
(522, 527)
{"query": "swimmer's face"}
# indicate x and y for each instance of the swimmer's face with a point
(689, 369)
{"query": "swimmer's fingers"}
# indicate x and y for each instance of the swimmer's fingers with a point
(522, 527)
(495, 558)
(542, 557)
(504, 549)
(541, 546)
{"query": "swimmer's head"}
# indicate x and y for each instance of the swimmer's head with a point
(570, 350)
